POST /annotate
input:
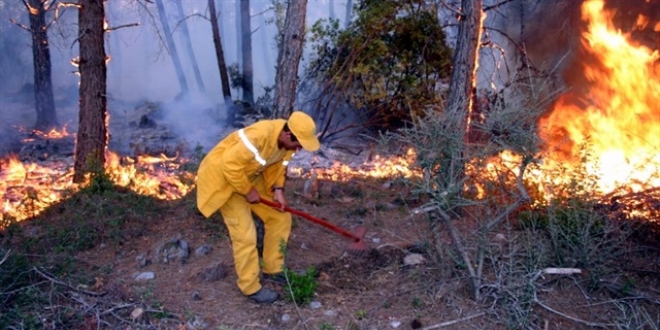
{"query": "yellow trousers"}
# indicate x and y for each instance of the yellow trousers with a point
(237, 214)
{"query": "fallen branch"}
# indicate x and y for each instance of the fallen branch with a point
(58, 282)
(5, 257)
(444, 324)
(573, 318)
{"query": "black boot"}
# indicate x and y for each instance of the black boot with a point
(263, 296)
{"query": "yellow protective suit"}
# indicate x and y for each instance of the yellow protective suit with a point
(247, 158)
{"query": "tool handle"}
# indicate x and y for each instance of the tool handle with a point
(311, 218)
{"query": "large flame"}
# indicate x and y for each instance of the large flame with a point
(26, 189)
(618, 119)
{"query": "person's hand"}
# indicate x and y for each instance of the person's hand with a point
(253, 196)
(279, 197)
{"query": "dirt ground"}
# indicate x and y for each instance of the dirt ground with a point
(374, 290)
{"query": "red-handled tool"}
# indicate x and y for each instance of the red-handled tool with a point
(357, 236)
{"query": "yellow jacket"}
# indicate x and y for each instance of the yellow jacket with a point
(234, 164)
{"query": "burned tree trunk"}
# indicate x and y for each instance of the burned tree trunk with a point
(462, 85)
(92, 134)
(219, 53)
(462, 90)
(246, 51)
(176, 60)
(290, 51)
(188, 44)
(43, 85)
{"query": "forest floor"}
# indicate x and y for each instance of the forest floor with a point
(115, 236)
(87, 252)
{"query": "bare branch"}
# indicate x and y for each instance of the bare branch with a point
(58, 282)
(5, 257)
(487, 8)
(452, 322)
(573, 318)
(121, 26)
(22, 26)
(452, 9)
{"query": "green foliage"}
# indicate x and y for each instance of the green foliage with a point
(326, 326)
(300, 288)
(99, 180)
(387, 62)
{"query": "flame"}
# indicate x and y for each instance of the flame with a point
(28, 189)
(52, 134)
(618, 119)
(378, 167)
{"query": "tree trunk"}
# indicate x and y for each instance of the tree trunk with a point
(291, 49)
(43, 86)
(246, 50)
(462, 85)
(349, 13)
(331, 4)
(219, 53)
(455, 154)
(171, 47)
(188, 44)
(92, 136)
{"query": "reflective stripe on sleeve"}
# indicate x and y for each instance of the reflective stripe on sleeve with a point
(286, 162)
(251, 147)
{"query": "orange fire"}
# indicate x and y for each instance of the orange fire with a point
(618, 119)
(27, 189)
(378, 167)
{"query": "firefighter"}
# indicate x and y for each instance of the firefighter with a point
(248, 164)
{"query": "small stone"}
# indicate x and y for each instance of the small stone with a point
(304, 246)
(136, 314)
(413, 259)
(286, 318)
(315, 305)
(145, 276)
(142, 260)
(375, 240)
(395, 324)
(203, 250)
(330, 313)
(197, 324)
(196, 296)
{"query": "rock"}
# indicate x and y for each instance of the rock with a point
(286, 318)
(196, 296)
(172, 250)
(146, 276)
(203, 250)
(137, 313)
(413, 259)
(213, 273)
(142, 260)
(197, 324)
(315, 305)
(330, 313)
